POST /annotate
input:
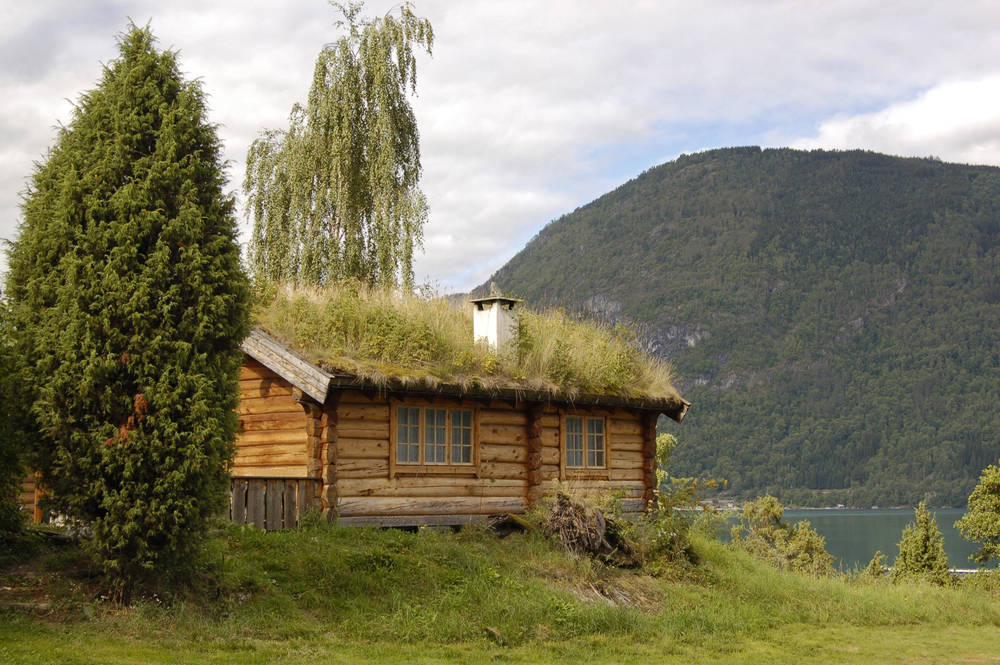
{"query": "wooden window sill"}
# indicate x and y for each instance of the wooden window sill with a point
(436, 470)
(587, 474)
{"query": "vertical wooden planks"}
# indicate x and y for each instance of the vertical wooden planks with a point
(272, 503)
(306, 495)
(290, 516)
(273, 495)
(239, 501)
(255, 501)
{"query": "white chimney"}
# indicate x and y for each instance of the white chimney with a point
(494, 320)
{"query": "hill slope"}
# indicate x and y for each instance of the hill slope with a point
(325, 594)
(833, 316)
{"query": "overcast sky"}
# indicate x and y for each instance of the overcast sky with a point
(528, 110)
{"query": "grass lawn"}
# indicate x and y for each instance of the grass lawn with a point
(334, 595)
(24, 641)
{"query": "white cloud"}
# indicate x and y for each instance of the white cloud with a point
(958, 121)
(528, 110)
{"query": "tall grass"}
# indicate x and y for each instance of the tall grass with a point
(428, 591)
(386, 337)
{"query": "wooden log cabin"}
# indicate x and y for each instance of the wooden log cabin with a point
(394, 455)
(401, 455)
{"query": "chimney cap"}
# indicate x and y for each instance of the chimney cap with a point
(488, 300)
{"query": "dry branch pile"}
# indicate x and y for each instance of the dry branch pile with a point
(586, 530)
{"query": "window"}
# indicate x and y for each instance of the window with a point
(435, 427)
(428, 436)
(461, 436)
(574, 441)
(595, 443)
(584, 442)
(408, 436)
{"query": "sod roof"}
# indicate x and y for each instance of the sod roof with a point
(359, 337)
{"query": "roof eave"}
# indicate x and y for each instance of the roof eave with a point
(670, 408)
(288, 364)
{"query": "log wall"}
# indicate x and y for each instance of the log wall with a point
(367, 492)
(628, 461)
(626, 458)
(346, 445)
(275, 428)
(519, 461)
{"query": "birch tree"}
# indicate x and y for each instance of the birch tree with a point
(336, 194)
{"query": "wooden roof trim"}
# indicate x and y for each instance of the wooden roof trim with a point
(287, 364)
(668, 408)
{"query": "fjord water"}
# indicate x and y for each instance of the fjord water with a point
(853, 535)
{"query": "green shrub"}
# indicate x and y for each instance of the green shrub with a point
(130, 305)
(762, 532)
(877, 567)
(921, 550)
(662, 534)
(982, 523)
(985, 579)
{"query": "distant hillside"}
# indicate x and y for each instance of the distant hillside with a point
(834, 316)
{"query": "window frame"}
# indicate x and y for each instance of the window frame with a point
(422, 467)
(584, 472)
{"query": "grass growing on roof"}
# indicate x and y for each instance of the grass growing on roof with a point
(384, 336)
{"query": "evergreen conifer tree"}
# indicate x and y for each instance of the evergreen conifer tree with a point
(130, 303)
(921, 550)
(982, 523)
(13, 437)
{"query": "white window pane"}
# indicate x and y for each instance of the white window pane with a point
(574, 441)
(434, 435)
(407, 435)
(461, 453)
(461, 436)
(434, 454)
(595, 442)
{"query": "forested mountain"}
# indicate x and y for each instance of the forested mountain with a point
(833, 316)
